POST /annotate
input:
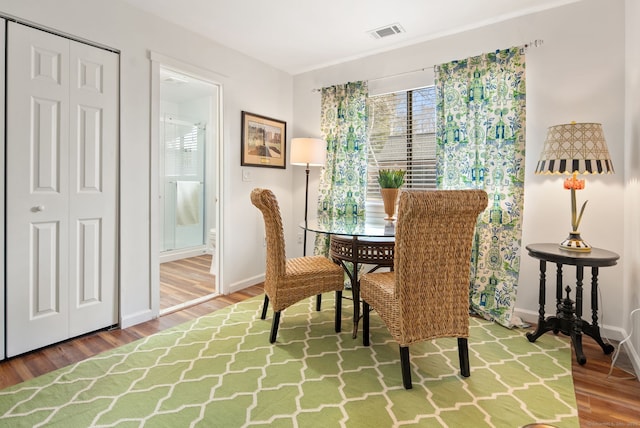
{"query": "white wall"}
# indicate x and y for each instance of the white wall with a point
(247, 84)
(577, 74)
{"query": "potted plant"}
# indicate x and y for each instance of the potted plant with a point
(390, 181)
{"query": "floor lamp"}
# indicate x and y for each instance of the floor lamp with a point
(307, 152)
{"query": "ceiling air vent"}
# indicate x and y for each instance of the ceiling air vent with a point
(386, 31)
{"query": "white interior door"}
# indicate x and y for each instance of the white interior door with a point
(61, 188)
(93, 154)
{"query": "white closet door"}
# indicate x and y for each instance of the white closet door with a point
(93, 193)
(61, 200)
(37, 189)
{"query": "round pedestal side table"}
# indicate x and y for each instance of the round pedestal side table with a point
(568, 318)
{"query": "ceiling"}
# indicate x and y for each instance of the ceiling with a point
(302, 35)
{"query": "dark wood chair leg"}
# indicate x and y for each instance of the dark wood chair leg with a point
(463, 353)
(274, 326)
(406, 367)
(338, 311)
(365, 323)
(265, 305)
(318, 302)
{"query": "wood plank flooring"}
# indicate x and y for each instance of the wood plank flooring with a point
(605, 400)
(602, 400)
(39, 362)
(177, 288)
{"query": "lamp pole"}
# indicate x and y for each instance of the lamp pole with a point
(306, 208)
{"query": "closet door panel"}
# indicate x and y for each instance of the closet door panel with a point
(45, 155)
(37, 189)
(89, 282)
(43, 277)
(93, 196)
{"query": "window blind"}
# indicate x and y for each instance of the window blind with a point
(402, 128)
(181, 152)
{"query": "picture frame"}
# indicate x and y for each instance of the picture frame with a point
(263, 141)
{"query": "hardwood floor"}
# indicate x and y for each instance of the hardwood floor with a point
(39, 362)
(602, 400)
(185, 280)
(605, 400)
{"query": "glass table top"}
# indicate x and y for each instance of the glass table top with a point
(374, 227)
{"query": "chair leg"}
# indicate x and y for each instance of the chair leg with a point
(274, 326)
(318, 302)
(406, 367)
(338, 311)
(365, 323)
(264, 307)
(463, 354)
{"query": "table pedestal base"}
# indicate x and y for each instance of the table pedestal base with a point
(373, 251)
(568, 319)
(573, 328)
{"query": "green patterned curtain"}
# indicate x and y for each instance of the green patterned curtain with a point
(343, 180)
(481, 145)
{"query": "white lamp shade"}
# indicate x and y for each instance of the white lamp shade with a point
(308, 151)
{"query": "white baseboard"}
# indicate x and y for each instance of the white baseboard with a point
(245, 283)
(634, 357)
(527, 316)
(147, 314)
(137, 318)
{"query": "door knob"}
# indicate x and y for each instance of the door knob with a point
(37, 208)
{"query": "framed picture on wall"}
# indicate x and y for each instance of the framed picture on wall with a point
(263, 141)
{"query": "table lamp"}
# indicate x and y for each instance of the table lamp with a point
(575, 148)
(307, 152)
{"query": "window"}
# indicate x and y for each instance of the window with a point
(402, 134)
(181, 150)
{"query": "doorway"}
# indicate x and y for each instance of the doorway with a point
(186, 116)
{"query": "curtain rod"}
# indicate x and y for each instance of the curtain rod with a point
(418, 70)
(533, 44)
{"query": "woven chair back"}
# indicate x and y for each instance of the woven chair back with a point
(266, 202)
(434, 238)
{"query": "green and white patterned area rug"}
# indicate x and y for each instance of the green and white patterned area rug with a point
(220, 371)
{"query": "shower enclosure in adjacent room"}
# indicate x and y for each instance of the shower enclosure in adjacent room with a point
(183, 186)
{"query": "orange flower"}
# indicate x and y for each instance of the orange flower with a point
(573, 183)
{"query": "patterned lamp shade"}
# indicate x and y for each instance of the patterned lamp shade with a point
(575, 148)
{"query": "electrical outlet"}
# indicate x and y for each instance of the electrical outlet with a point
(246, 175)
(300, 238)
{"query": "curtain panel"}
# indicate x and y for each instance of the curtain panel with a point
(343, 181)
(480, 141)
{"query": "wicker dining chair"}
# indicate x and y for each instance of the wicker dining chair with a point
(426, 296)
(288, 281)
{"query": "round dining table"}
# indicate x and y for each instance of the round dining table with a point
(355, 242)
